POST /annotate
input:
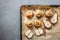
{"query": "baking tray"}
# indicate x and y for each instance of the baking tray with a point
(43, 6)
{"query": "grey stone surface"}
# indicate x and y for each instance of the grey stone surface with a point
(10, 16)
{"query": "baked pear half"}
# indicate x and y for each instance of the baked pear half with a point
(54, 19)
(29, 23)
(47, 24)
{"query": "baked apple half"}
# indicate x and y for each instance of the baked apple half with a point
(29, 14)
(39, 13)
(49, 13)
(29, 23)
(37, 23)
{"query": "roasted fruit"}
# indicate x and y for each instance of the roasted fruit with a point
(47, 23)
(39, 13)
(54, 19)
(39, 31)
(37, 23)
(48, 13)
(29, 34)
(29, 24)
(29, 14)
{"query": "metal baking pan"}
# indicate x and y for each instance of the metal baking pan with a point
(34, 6)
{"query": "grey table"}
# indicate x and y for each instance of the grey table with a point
(10, 16)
